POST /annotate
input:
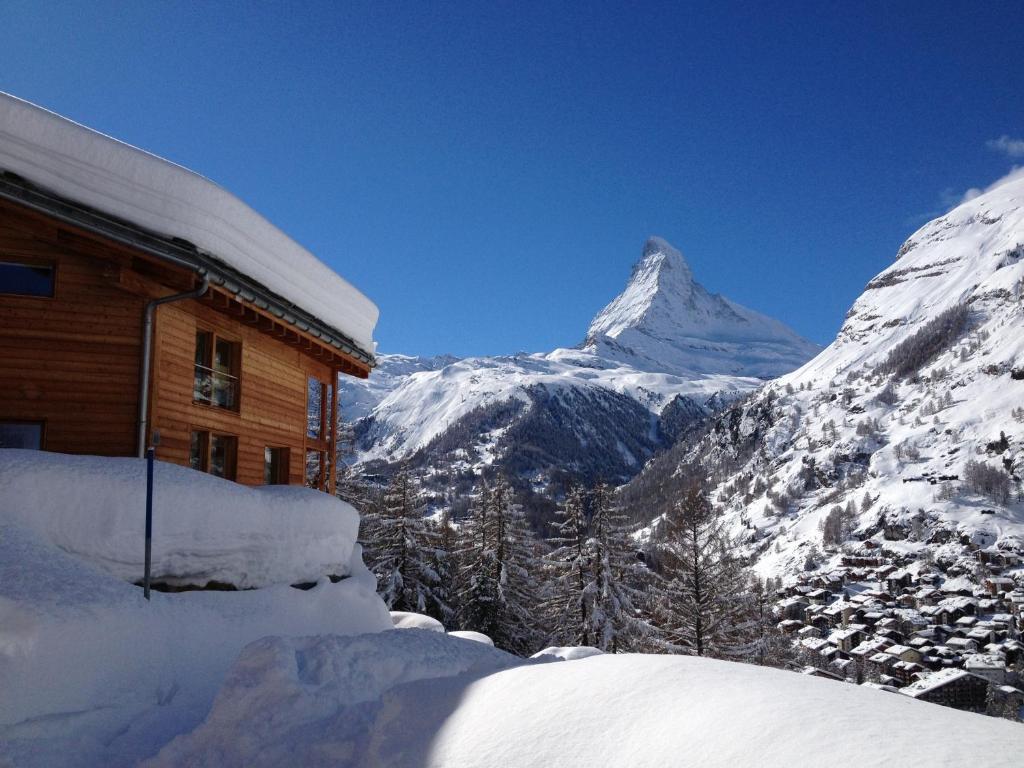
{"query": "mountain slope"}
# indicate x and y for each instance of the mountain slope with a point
(911, 418)
(602, 405)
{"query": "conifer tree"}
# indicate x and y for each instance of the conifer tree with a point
(399, 548)
(569, 598)
(500, 595)
(617, 600)
(706, 608)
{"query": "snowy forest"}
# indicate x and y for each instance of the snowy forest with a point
(593, 584)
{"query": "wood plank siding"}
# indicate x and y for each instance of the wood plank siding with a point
(272, 397)
(72, 361)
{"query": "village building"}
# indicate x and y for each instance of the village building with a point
(143, 305)
(955, 688)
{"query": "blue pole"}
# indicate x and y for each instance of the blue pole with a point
(149, 520)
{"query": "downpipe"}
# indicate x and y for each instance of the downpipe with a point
(147, 353)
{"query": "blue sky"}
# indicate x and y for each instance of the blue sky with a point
(488, 174)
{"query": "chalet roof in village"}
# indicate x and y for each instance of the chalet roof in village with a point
(73, 172)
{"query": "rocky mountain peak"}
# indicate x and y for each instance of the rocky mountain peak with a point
(665, 320)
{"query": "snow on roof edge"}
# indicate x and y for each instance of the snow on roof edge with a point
(89, 167)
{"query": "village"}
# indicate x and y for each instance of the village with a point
(950, 636)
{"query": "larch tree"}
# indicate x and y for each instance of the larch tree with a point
(706, 611)
(569, 593)
(399, 547)
(615, 615)
(500, 594)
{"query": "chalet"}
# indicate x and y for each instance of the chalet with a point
(952, 688)
(143, 305)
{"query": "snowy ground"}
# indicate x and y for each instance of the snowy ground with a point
(93, 675)
(204, 528)
(420, 699)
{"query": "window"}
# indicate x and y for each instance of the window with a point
(199, 453)
(26, 279)
(315, 475)
(21, 434)
(275, 466)
(216, 454)
(223, 454)
(319, 434)
(218, 362)
(314, 408)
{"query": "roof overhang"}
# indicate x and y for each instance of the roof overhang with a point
(183, 254)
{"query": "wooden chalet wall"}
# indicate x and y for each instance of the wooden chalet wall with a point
(70, 361)
(273, 388)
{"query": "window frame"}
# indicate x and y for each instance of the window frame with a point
(230, 455)
(208, 367)
(206, 452)
(31, 261)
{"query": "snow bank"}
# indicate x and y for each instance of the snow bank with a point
(476, 637)
(93, 675)
(421, 699)
(103, 173)
(406, 620)
(313, 701)
(568, 653)
(204, 528)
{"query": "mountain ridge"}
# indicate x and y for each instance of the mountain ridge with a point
(410, 403)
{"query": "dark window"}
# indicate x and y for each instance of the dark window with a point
(223, 455)
(26, 279)
(21, 434)
(199, 453)
(275, 466)
(218, 362)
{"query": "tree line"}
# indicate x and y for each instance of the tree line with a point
(674, 587)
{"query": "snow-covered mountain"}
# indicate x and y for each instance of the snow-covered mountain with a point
(667, 321)
(664, 354)
(910, 421)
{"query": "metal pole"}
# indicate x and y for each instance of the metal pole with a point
(149, 521)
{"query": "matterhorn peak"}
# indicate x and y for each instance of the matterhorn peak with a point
(664, 320)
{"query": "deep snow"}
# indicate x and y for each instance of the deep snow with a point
(419, 698)
(118, 179)
(93, 675)
(204, 528)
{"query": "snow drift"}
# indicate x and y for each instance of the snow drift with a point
(204, 529)
(91, 674)
(421, 699)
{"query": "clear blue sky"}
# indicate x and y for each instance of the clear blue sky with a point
(488, 174)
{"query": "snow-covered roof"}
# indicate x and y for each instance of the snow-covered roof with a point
(112, 177)
(934, 680)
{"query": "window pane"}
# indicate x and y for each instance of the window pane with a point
(197, 450)
(14, 434)
(222, 456)
(203, 341)
(314, 469)
(225, 391)
(314, 393)
(26, 279)
(224, 357)
(275, 466)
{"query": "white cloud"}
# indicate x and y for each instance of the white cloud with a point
(1016, 173)
(1012, 147)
